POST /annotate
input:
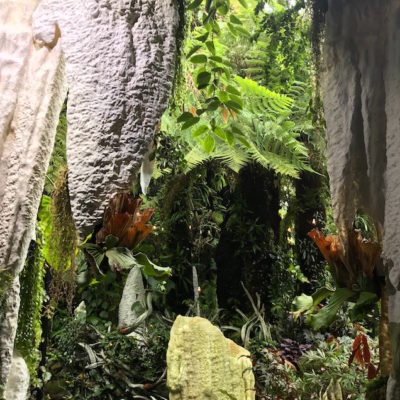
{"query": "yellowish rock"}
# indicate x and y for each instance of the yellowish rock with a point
(203, 364)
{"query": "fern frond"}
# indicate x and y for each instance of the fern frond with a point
(274, 144)
(233, 158)
(261, 100)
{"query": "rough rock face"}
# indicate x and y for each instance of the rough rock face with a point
(18, 380)
(203, 364)
(32, 90)
(120, 57)
(362, 102)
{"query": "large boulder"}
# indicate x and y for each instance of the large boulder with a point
(203, 364)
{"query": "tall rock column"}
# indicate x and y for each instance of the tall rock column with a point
(361, 88)
(120, 65)
(32, 90)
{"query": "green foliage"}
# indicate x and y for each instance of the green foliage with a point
(101, 309)
(58, 157)
(120, 258)
(98, 363)
(55, 216)
(29, 317)
(359, 304)
(330, 361)
(311, 375)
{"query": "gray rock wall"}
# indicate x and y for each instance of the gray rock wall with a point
(32, 91)
(120, 63)
(361, 90)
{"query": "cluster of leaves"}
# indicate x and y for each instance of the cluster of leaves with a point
(323, 365)
(98, 363)
(273, 375)
(327, 361)
(353, 275)
(124, 227)
(362, 353)
(215, 92)
(230, 118)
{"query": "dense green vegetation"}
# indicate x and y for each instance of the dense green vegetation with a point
(239, 181)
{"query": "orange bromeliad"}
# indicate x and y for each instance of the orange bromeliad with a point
(124, 220)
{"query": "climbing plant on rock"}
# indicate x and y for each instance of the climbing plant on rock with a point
(31, 280)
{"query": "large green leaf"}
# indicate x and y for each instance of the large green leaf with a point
(328, 313)
(190, 123)
(321, 294)
(208, 144)
(301, 304)
(201, 130)
(111, 241)
(184, 117)
(120, 256)
(307, 304)
(363, 305)
(151, 269)
(199, 59)
(96, 252)
(194, 4)
(203, 79)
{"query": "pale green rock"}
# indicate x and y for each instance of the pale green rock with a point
(203, 364)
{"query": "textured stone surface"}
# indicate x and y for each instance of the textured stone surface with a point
(31, 94)
(362, 102)
(18, 380)
(354, 102)
(203, 364)
(120, 58)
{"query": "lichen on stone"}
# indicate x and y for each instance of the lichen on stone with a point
(203, 364)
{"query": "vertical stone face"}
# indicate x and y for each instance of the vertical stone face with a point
(391, 245)
(362, 109)
(203, 364)
(354, 103)
(120, 58)
(32, 90)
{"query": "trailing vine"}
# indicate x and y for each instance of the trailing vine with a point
(32, 289)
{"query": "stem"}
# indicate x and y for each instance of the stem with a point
(196, 304)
